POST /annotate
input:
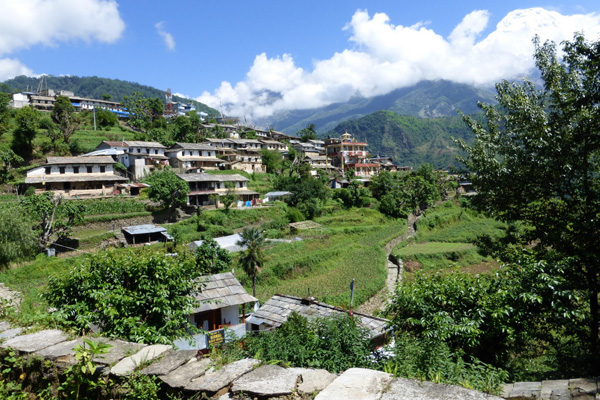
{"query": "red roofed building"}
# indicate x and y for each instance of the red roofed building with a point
(347, 153)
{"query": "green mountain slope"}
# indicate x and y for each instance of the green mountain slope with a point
(427, 99)
(409, 140)
(94, 87)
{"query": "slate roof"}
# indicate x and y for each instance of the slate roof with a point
(190, 146)
(221, 290)
(75, 178)
(135, 143)
(212, 178)
(277, 310)
(80, 160)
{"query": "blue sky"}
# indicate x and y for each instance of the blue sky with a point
(256, 58)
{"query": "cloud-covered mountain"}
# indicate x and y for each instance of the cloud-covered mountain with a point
(426, 99)
(382, 57)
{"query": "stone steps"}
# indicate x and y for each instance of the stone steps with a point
(182, 370)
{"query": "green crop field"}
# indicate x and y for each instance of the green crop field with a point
(329, 257)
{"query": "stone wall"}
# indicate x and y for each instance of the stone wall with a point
(182, 370)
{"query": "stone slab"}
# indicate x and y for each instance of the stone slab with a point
(583, 385)
(558, 394)
(214, 381)
(4, 326)
(120, 349)
(180, 377)
(554, 385)
(171, 360)
(313, 380)
(526, 389)
(11, 333)
(35, 341)
(357, 383)
(267, 381)
(127, 365)
(406, 389)
(59, 350)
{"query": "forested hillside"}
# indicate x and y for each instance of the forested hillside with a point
(427, 99)
(409, 140)
(94, 87)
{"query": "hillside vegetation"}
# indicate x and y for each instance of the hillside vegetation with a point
(409, 140)
(94, 87)
(426, 99)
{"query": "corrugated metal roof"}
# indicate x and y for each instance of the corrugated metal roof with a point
(143, 229)
(221, 290)
(277, 310)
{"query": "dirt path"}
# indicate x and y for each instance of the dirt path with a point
(394, 273)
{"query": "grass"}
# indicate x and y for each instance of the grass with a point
(328, 258)
(444, 240)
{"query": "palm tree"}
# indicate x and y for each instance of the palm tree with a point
(252, 259)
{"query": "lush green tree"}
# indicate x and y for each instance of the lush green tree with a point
(106, 118)
(134, 295)
(251, 259)
(4, 112)
(167, 188)
(63, 115)
(140, 115)
(230, 196)
(522, 312)
(106, 96)
(307, 133)
(7, 159)
(53, 215)
(18, 241)
(182, 128)
(211, 258)
(271, 159)
(537, 157)
(26, 120)
(335, 344)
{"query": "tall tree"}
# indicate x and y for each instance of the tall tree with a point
(63, 115)
(26, 128)
(53, 214)
(211, 258)
(167, 188)
(252, 258)
(4, 112)
(537, 157)
(18, 241)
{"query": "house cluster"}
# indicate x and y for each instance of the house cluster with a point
(108, 170)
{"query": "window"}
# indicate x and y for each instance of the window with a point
(102, 169)
(75, 170)
(61, 170)
(48, 170)
(89, 170)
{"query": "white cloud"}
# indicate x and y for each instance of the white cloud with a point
(9, 68)
(167, 37)
(383, 57)
(25, 23)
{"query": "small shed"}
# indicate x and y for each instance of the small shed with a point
(219, 303)
(276, 311)
(147, 233)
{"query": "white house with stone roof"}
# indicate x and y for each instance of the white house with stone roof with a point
(205, 189)
(140, 158)
(218, 309)
(185, 156)
(76, 176)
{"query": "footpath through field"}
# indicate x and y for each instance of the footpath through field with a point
(394, 272)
